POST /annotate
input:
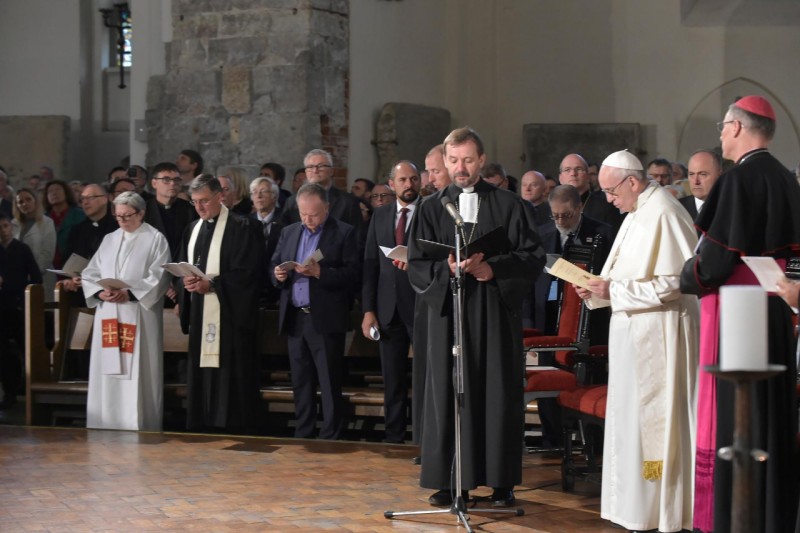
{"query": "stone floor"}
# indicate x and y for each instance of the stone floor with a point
(56, 479)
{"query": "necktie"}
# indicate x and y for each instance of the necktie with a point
(400, 229)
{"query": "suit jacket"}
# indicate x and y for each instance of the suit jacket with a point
(690, 205)
(340, 276)
(551, 242)
(386, 288)
(185, 214)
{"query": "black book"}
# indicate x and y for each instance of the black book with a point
(490, 244)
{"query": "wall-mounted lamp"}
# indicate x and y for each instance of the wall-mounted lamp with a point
(118, 18)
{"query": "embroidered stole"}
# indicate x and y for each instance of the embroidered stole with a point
(210, 338)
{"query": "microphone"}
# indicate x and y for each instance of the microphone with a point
(448, 205)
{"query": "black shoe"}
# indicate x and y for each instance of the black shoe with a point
(443, 498)
(417, 460)
(502, 497)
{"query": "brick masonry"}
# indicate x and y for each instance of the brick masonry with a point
(250, 81)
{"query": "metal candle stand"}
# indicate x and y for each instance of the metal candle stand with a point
(741, 452)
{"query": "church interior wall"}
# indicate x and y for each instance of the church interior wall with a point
(495, 65)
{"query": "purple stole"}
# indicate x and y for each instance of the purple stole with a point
(707, 399)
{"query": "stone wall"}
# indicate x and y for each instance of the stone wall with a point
(250, 81)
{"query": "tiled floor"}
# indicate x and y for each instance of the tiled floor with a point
(77, 480)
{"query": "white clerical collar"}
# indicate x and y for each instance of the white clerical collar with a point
(468, 190)
(410, 206)
(468, 204)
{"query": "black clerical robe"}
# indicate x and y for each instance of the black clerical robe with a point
(492, 413)
(86, 236)
(226, 397)
(751, 210)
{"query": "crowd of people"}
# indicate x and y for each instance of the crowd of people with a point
(666, 233)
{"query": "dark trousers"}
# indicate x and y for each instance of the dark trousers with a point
(316, 358)
(12, 346)
(394, 344)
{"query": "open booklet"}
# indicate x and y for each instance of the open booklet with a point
(288, 266)
(766, 269)
(184, 269)
(563, 269)
(489, 244)
(399, 253)
(110, 284)
(73, 267)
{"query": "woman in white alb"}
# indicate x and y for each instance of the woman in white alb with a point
(125, 372)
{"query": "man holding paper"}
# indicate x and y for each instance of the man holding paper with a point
(752, 210)
(652, 347)
(387, 297)
(219, 311)
(493, 289)
(126, 378)
(315, 303)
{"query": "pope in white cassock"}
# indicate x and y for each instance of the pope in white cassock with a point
(125, 371)
(648, 470)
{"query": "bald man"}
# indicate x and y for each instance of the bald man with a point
(533, 188)
(705, 167)
(574, 171)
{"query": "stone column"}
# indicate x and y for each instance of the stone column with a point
(250, 81)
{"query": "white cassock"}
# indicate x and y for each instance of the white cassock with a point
(125, 371)
(648, 457)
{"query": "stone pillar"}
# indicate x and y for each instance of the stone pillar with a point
(250, 81)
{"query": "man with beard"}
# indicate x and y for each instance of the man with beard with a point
(387, 297)
(493, 288)
(750, 211)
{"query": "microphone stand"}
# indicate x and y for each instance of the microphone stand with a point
(458, 507)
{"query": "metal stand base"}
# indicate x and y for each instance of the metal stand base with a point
(459, 509)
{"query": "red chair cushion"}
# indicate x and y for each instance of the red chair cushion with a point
(531, 332)
(547, 341)
(549, 380)
(599, 350)
(587, 400)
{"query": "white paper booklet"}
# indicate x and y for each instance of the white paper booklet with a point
(110, 284)
(182, 270)
(73, 267)
(288, 266)
(767, 271)
(400, 253)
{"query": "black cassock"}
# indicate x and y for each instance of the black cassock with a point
(754, 209)
(226, 397)
(492, 415)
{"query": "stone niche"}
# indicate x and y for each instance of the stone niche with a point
(251, 81)
(408, 131)
(27, 143)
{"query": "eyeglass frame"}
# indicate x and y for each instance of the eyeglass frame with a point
(202, 201)
(381, 195)
(610, 192)
(126, 218)
(175, 181)
(568, 170)
(562, 216)
(721, 125)
(318, 168)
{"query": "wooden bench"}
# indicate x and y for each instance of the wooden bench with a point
(50, 398)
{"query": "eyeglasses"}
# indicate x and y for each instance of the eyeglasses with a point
(721, 125)
(318, 168)
(127, 217)
(380, 195)
(569, 170)
(170, 180)
(610, 191)
(204, 202)
(562, 216)
(92, 197)
(261, 192)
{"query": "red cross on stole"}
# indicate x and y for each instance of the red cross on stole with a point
(116, 334)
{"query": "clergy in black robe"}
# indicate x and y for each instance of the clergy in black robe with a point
(493, 288)
(166, 212)
(87, 235)
(752, 210)
(226, 396)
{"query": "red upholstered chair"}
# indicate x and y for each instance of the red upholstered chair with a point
(571, 339)
(583, 408)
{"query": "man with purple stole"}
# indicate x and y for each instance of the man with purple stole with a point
(751, 211)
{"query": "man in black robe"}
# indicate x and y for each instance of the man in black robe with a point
(166, 211)
(493, 289)
(751, 210)
(226, 396)
(574, 171)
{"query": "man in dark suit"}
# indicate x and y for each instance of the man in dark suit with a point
(278, 174)
(574, 171)
(315, 305)
(387, 296)
(567, 225)
(166, 212)
(265, 194)
(705, 166)
(342, 206)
